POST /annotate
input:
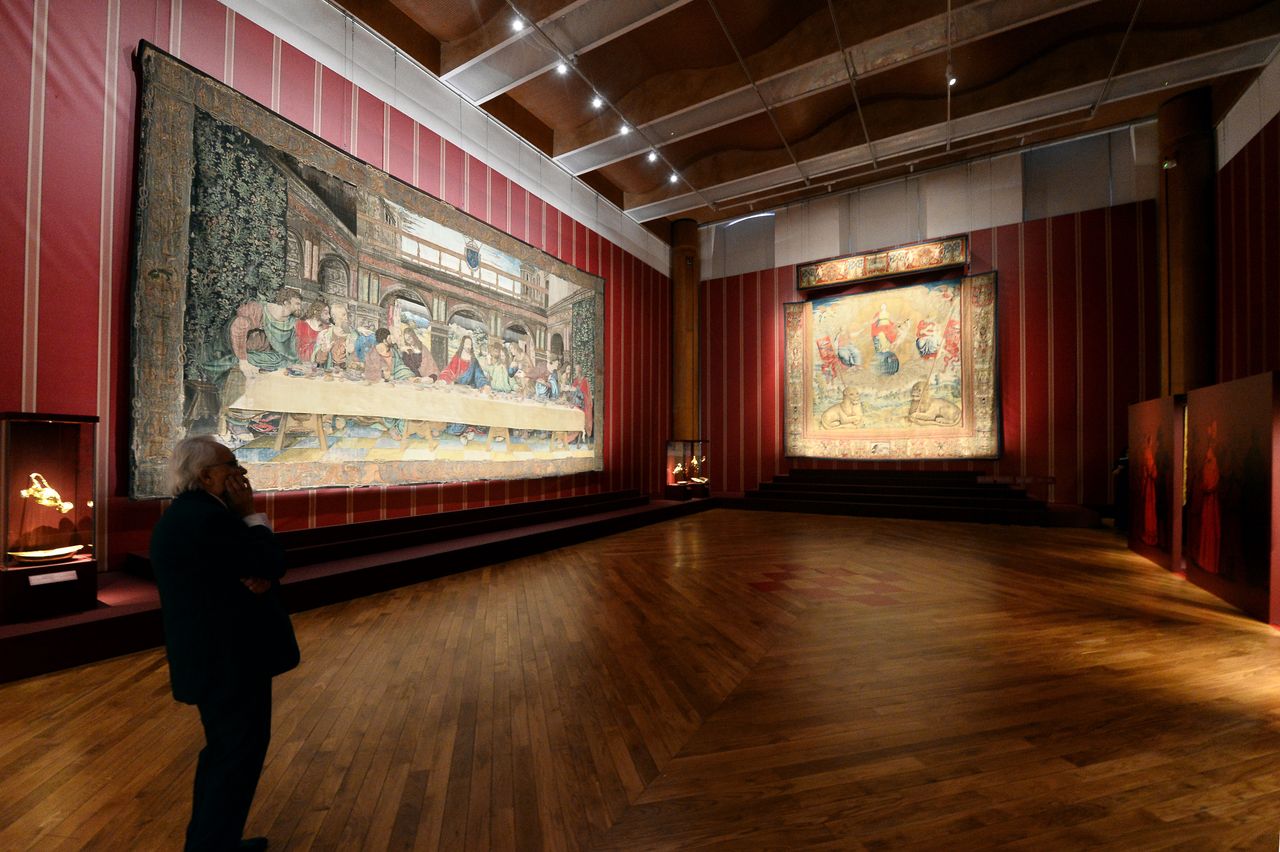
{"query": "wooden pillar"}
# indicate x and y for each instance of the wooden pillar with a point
(1186, 244)
(685, 272)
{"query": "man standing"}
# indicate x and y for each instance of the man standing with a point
(227, 634)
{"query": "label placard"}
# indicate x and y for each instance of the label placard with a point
(54, 577)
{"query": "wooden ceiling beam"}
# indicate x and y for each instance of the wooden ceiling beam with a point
(653, 107)
(398, 28)
(495, 58)
(723, 188)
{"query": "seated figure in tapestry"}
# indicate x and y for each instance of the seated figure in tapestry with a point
(308, 329)
(464, 367)
(498, 365)
(276, 319)
(261, 336)
(383, 362)
(417, 357)
(335, 344)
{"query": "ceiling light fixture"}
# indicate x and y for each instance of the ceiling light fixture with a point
(562, 68)
(517, 25)
(624, 129)
(951, 75)
(674, 177)
(652, 156)
(596, 102)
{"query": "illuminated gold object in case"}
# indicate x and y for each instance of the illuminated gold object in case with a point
(47, 515)
(686, 469)
(44, 494)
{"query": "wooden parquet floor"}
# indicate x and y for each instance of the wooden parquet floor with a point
(733, 680)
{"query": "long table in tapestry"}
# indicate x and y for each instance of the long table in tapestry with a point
(403, 400)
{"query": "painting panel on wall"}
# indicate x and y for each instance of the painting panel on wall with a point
(885, 263)
(1229, 527)
(333, 325)
(906, 373)
(1155, 480)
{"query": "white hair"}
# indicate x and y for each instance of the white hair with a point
(190, 457)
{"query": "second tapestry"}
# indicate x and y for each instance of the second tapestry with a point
(904, 373)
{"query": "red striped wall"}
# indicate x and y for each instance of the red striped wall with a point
(66, 165)
(1078, 344)
(1249, 258)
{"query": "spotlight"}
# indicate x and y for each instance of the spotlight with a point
(597, 102)
(624, 129)
(562, 69)
(652, 157)
(517, 25)
(951, 75)
(674, 177)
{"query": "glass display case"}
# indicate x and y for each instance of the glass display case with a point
(687, 474)
(47, 515)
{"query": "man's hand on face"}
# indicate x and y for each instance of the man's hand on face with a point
(239, 494)
(257, 585)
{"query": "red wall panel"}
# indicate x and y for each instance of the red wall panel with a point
(371, 129)
(533, 228)
(477, 189)
(550, 230)
(498, 187)
(72, 157)
(400, 145)
(454, 184)
(1249, 258)
(298, 74)
(430, 162)
(201, 39)
(519, 214)
(1096, 447)
(335, 109)
(18, 26)
(252, 61)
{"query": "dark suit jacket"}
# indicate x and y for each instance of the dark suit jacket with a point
(216, 630)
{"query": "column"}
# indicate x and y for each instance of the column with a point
(1186, 244)
(685, 273)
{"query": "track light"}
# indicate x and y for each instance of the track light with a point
(652, 156)
(674, 177)
(624, 129)
(951, 75)
(596, 102)
(517, 25)
(562, 68)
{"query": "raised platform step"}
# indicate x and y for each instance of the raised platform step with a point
(923, 495)
(917, 497)
(953, 477)
(969, 512)
(128, 616)
(782, 486)
(346, 541)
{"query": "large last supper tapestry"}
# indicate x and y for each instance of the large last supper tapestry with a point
(333, 325)
(903, 373)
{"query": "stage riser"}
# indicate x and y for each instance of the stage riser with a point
(782, 488)
(922, 498)
(921, 495)
(1029, 516)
